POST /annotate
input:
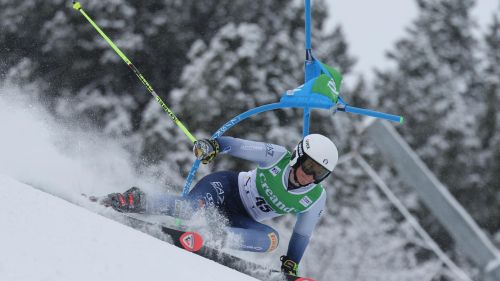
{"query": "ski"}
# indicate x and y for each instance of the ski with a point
(193, 242)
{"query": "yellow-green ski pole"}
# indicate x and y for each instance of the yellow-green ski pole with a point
(77, 6)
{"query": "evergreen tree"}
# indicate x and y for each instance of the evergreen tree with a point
(489, 131)
(435, 86)
(83, 78)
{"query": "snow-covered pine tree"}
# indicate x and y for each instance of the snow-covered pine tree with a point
(489, 130)
(79, 75)
(434, 85)
(50, 43)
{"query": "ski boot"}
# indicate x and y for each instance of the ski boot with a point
(131, 201)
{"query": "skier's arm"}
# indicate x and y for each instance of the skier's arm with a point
(264, 154)
(303, 229)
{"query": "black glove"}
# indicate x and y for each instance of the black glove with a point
(205, 150)
(288, 266)
(131, 201)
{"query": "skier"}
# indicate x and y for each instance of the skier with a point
(282, 183)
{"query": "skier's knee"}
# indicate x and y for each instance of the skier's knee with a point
(274, 240)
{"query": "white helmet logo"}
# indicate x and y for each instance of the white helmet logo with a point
(325, 161)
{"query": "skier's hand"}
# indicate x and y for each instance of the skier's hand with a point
(288, 266)
(131, 201)
(205, 150)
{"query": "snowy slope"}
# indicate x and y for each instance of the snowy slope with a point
(46, 238)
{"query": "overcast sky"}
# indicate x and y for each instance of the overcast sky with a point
(372, 27)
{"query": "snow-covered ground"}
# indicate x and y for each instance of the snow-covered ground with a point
(47, 238)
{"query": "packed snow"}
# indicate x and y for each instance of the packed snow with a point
(44, 237)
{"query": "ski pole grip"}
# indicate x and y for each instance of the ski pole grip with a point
(77, 5)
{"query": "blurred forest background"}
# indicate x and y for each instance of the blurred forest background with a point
(211, 60)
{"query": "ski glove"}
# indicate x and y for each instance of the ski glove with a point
(288, 266)
(131, 201)
(205, 150)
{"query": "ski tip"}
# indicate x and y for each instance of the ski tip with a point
(191, 241)
(90, 197)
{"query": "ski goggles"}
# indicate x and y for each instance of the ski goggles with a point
(313, 168)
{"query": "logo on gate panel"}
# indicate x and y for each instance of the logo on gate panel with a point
(191, 241)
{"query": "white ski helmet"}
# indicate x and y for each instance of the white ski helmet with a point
(317, 155)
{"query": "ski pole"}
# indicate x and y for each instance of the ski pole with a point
(77, 6)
